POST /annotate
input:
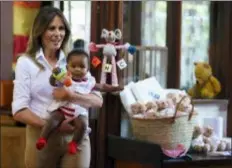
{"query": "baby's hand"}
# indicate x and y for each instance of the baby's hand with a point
(62, 94)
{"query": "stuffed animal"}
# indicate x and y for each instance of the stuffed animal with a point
(110, 52)
(185, 104)
(151, 110)
(207, 86)
(138, 107)
(205, 141)
(174, 97)
(163, 104)
(60, 77)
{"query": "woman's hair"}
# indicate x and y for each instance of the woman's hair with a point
(40, 25)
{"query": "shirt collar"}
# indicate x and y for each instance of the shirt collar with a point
(40, 55)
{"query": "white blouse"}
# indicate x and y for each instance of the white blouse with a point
(31, 85)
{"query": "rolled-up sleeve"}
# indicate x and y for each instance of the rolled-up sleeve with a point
(21, 92)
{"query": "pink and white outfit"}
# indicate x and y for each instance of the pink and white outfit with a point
(72, 110)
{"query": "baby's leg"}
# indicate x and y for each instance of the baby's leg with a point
(80, 124)
(54, 121)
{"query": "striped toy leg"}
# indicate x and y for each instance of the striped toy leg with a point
(114, 76)
(103, 74)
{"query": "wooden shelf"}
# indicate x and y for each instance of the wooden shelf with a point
(210, 101)
(125, 152)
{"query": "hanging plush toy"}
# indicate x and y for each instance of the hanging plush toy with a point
(110, 52)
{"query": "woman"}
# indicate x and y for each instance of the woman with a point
(33, 93)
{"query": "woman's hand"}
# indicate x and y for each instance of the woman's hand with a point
(62, 94)
(66, 127)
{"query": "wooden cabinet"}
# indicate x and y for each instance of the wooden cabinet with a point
(12, 146)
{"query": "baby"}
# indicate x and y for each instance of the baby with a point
(83, 83)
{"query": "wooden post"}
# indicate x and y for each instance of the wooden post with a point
(109, 15)
(173, 42)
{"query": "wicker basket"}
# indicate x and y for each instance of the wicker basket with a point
(167, 132)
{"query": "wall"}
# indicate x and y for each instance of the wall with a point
(6, 42)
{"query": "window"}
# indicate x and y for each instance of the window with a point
(78, 14)
(153, 26)
(154, 14)
(195, 38)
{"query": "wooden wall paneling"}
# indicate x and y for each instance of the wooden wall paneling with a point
(220, 51)
(173, 41)
(105, 14)
(132, 26)
(12, 147)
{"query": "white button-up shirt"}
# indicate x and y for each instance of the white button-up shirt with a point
(31, 85)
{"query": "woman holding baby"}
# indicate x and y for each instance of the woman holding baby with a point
(33, 93)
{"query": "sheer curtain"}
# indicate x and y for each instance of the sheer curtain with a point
(194, 38)
(78, 14)
(154, 15)
(153, 33)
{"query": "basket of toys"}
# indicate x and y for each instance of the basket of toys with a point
(165, 123)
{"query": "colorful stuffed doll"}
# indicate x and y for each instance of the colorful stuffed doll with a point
(110, 52)
(60, 77)
(207, 86)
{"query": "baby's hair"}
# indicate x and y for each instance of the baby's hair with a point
(77, 52)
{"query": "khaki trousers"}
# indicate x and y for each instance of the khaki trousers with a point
(55, 154)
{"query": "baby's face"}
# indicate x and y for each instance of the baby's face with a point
(78, 66)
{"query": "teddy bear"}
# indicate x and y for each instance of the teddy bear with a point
(138, 107)
(174, 98)
(151, 110)
(145, 110)
(205, 141)
(185, 104)
(206, 86)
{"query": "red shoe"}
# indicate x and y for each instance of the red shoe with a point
(72, 147)
(41, 142)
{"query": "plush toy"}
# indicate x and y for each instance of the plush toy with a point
(163, 104)
(174, 97)
(60, 77)
(185, 104)
(109, 53)
(138, 107)
(205, 141)
(151, 110)
(207, 86)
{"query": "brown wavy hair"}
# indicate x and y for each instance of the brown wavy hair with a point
(40, 25)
